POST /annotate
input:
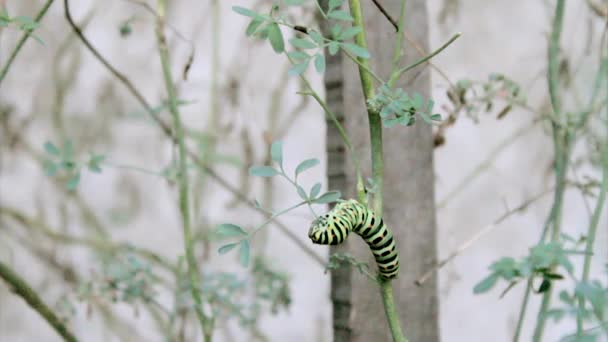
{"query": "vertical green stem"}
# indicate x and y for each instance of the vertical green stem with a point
(24, 37)
(21, 288)
(561, 140)
(375, 123)
(206, 323)
(375, 129)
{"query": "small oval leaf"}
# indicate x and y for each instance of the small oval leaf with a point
(328, 197)
(276, 152)
(315, 190)
(227, 248)
(230, 230)
(307, 164)
(244, 253)
(486, 284)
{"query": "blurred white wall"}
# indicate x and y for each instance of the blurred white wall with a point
(498, 36)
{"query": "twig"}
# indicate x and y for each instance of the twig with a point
(388, 16)
(24, 37)
(482, 232)
(183, 184)
(21, 288)
(397, 74)
(167, 130)
(377, 154)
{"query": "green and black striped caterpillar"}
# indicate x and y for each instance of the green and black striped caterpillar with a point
(333, 228)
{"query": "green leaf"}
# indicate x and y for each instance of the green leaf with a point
(298, 69)
(544, 286)
(302, 43)
(388, 123)
(305, 165)
(230, 230)
(302, 193)
(333, 4)
(350, 32)
(244, 253)
(336, 31)
(294, 2)
(51, 149)
(417, 101)
(426, 118)
(320, 63)
(328, 197)
(227, 248)
(94, 162)
(68, 150)
(340, 15)
(486, 284)
(276, 152)
(73, 182)
(298, 55)
(356, 50)
(436, 117)
(333, 48)
(50, 168)
(253, 26)
(317, 37)
(244, 11)
(263, 171)
(276, 38)
(315, 190)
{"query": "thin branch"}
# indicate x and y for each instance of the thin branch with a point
(167, 130)
(387, 15)
(183, 184)
(481, 232)
(22, 289)
(397, 74)
(24, 37)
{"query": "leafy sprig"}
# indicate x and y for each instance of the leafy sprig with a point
(242, 237)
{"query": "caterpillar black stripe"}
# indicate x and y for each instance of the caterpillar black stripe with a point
(333, 228)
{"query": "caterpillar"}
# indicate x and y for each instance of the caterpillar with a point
(333, 228)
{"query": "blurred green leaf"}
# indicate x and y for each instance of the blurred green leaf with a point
(276, 152)
(328, 197)
(340, 15)
(306, 164)
(227, 248)
(302, 43)
(230, 230)
(276, 38)
(486, 284)
(263, 171)
(320, 63)
(244, 253)
(244, 11)
(315, 190)
(51, 149)
(356, 50)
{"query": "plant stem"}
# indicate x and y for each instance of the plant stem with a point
(21, 288)
(375, 122)
(397, 74)
(24, 37)
(205, 322)
(375, 129)
(386, 289)
(561, 141)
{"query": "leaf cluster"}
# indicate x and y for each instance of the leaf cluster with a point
(538, 264)
(395, 106)
(61, 162)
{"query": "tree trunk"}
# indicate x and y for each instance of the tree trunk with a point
(409, 207)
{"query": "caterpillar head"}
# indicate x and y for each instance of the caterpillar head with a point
(317, 228)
